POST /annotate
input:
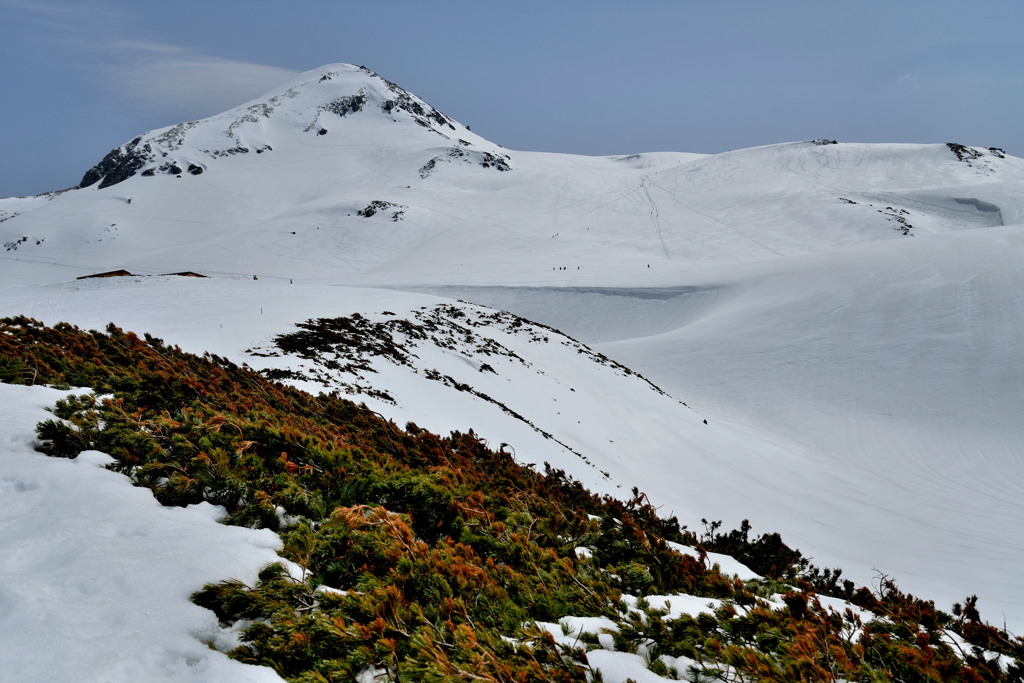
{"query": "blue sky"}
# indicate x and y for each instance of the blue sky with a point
(583, 77)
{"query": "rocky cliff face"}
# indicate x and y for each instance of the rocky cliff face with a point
(119, 165)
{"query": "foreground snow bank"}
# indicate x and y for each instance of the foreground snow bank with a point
(96, 575)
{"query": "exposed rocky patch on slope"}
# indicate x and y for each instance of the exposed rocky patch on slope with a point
(342, 353)
(379, 206)
(342, 350)
(499, 162)
(974, 156)
(119, 164)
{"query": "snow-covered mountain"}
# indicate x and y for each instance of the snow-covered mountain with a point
(341, 177)
(831, 329)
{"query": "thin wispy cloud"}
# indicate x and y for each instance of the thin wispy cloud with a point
(146, 76)
(57, 24)
(43, 9)
(179, 81)
(907, 82)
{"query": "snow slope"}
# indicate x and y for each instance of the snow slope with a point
(844, 316)
(895, 367)
(97, 575)
(549, 394)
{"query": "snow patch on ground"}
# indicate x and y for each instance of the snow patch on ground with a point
(96, 575)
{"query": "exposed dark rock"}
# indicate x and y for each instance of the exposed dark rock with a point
(231, 151)
(823, 141)
(14, 244)
(423, 114)
(898, 216)
(379, 205)
(484, 159)
(373, 207)
(347, 105)
(428, 167)
(194, 169)
(119, 165)
(964, 153)
(499, 162)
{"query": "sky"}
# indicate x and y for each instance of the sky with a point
(589, 77)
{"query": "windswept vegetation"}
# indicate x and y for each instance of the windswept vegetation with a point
(411, 556)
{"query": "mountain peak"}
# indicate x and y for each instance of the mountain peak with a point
(311, 105)
(373, 90)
